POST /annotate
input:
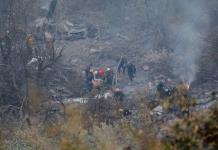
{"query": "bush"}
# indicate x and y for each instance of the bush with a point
(199, 131)
(180, 102)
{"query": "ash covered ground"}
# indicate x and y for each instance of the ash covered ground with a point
(165, 44)
(45, 97)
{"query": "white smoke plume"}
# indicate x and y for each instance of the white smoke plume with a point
(188, 33)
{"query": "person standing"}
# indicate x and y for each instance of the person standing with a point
(88, 82)
(87, 70)
(122, 65)
(131, 70)
(109, 76)
(101, 73)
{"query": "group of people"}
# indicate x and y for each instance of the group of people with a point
(98, 77)
(105, 77)
(124, 66)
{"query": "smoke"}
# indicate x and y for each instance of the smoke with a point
(187, 33)
(183, 23)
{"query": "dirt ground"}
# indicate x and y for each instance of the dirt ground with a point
(152, 66)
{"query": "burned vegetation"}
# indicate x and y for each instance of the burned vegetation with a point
(102, 75)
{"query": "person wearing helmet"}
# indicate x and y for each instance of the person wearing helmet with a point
(95, 74)
(101, 73)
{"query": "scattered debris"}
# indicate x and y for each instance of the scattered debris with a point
(76, 34)
(80, 32)
(39, 22)
(158, 111)
(146, 68)
(92, 50)
(33, 60)
(121, 36)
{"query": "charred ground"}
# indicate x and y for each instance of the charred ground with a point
(46, 45)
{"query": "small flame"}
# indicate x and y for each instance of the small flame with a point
(187, 84)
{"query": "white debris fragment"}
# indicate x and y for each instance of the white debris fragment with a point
(48, 36)
(33, 60)
(92, 50)
(146, 68)
(121, 36)
(68, 23)
(157, 111)
(66, 26)
(108, 95)
(40, 22)
(75, 100)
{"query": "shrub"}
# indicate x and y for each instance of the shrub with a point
(199, 131)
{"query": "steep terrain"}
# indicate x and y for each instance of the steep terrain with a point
(120, 31)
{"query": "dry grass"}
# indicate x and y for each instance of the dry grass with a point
(80, 131)
(73, 134)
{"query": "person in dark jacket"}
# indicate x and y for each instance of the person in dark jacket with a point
(88, 82)
(118, 94)
(131, 70)
(122, 65)
(87, 70)
(109, 76)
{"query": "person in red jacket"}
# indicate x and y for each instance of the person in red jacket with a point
(101, 73)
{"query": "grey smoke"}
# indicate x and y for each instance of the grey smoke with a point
(180, 25)
(187, 33)
(184, 22)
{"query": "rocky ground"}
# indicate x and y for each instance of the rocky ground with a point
(152, 66)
